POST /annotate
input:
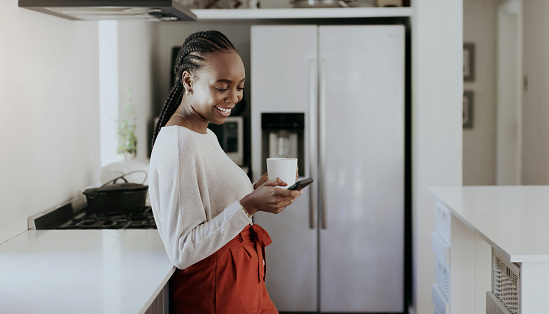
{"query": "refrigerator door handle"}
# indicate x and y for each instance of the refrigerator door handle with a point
(312, 137)
(322, 142)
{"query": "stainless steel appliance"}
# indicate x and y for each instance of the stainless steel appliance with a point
(231, 137)
(94, 10)
(340, 246)
(112, 206)
(67, 216)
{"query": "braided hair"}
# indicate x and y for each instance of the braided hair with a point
(190, 58)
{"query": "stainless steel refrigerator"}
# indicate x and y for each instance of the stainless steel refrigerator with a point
(340, 246)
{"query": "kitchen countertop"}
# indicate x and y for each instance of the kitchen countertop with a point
(512, 219)
(82, 271)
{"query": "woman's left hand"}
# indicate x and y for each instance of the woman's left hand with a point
(265, 177)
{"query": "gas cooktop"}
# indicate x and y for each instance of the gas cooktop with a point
(116, 220)
(65, 218)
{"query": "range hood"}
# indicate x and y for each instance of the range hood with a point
(95, 10)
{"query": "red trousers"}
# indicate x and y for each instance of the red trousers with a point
(232, 280)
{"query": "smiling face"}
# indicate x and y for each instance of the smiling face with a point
(216, 88)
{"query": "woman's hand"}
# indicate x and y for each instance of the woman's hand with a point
(269, 198)
(261, 180)
(265, 177)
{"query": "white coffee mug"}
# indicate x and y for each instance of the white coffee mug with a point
(284, 168)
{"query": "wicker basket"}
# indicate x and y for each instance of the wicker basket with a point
(506, 282)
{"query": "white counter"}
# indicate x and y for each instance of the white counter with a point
(82, 271)
(512, 219)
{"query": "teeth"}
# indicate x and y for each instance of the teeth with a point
(223, 110)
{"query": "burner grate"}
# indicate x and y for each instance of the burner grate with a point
(113, 220)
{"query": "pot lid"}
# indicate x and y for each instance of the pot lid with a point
(112, 186)
(119, 187)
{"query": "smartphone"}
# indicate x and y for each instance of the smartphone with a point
(299, 185)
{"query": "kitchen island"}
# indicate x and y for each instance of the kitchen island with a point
(496, 237)
(84, 271)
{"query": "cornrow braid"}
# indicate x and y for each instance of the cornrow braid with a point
(190, 58)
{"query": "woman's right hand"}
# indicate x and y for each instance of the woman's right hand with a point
(269, 198)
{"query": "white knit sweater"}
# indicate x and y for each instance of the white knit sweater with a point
(194, 189)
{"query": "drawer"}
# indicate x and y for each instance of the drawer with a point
(443, 222)
(441, 304)
(442, 277)
(441, 248)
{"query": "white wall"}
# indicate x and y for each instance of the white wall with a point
(509, 93)
(535, 149)
(479, 143)
(48, 109)
(437, 86)
(480, 26)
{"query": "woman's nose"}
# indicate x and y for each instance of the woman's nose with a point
(234, 97)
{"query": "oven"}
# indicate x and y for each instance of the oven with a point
(231, 138)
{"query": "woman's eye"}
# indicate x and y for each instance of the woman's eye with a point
(226, 89)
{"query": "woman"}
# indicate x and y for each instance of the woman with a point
(202, 201)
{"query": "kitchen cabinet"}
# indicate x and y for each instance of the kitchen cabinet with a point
(498, 249)
(462, 265)
(339, 247)
(440, 240)
(84, 271)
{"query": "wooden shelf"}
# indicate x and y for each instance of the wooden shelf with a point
(295, 13)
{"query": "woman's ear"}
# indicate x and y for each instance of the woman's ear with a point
(187, 79)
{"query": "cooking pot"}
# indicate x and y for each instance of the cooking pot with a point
(320, 3)
(117, 197)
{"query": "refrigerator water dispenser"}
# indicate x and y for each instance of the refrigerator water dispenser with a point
(283, 136)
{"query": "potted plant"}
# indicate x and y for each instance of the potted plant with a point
(127, 141)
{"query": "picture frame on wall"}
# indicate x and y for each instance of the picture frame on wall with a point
(468, 109)
(468, 62)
